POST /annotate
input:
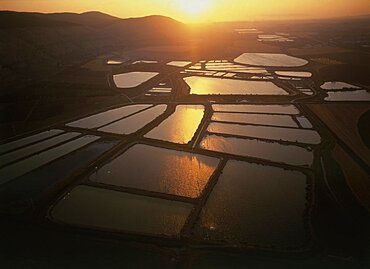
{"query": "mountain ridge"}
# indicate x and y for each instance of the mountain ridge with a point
(14, 19)
(31, 42)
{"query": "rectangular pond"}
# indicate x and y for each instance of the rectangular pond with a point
(181, 126)
(158, 170)
(260, 119)
(34, 148)
(272, 151)
(28, 140)
(161, 90)
(135, 122)
(256, 205)
(103, 118)
(109, 210)
(219, 74)
(264, 109)
(179, 63)
(231, 67)
(38, 181)
(265, 132)
(304, 122)
(145, 62)
(357, 95)
(298, 74)
(229, 75)
(223, 86)
(22, 167)
(132, 79)
(337, 86)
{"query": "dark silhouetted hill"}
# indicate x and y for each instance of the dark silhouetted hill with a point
(12, 20)
(30, 42)
(92, 19)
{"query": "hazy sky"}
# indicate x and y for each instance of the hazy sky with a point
(201, 10)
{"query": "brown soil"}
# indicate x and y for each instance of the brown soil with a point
(357, 179)
(342, 120)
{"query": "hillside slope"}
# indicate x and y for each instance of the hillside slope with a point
(34, 42)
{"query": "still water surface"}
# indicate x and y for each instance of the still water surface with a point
(112, 210)
(181, 126)
(224, 86)
(159, 170)
(257, 205)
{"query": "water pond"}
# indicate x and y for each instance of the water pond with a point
(106, 117)
(181, 126)
(266, 132)
(261, 119)
(166, 171)
(358, 95)
(179, 63)
(104, 209)
(135, 122)
(28, 140)
(132, 79)
(332, 86)
(265, 109)
(298, 74)
(270, 59)
(34, 148)
(256, 205)
(24, 166)
(223, 86)
(272, 151)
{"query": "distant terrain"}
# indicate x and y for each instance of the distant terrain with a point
(41, 55)
(50, 64)
(45, 43)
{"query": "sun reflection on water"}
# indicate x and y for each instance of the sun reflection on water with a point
(181, 126)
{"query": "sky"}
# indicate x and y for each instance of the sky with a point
(201, 10)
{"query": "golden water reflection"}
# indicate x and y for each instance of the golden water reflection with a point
(181, 126)
(213, 86)
(272, 151)
(159, 170)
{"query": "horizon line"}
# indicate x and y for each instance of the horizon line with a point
(195, 22)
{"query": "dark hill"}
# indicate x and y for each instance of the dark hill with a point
(11, 19)
(35, 43)
(92, 19)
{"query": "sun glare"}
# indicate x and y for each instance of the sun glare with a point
(193, 7)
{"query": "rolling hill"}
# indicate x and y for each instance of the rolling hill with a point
(30, 42)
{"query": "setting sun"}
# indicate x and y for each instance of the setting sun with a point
(185, 134)
(201, 10)
(193, 7)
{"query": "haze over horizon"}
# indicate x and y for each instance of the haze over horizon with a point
(200, 10)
